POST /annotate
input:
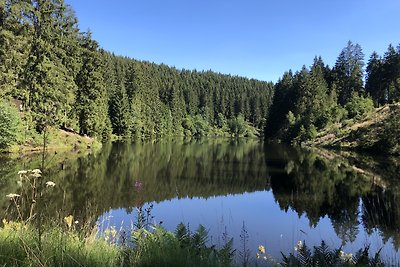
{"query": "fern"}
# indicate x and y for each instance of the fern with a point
(200, 237)
(323, 256)
(226, 253)
(182, 234)
(305, 256)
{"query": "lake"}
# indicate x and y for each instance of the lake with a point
(276, 195)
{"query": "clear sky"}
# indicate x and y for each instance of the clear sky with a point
(254, 38)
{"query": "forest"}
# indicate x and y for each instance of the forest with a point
(63, 78)
(58, 76)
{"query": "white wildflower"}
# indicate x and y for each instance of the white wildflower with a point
(299, 246)
(50, 184)
(22, 172)
(12, 195)
(346, 257)
(36, 171)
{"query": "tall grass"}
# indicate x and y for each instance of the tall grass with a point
(19, 246)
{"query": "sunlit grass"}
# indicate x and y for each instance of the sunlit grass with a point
(20, 246)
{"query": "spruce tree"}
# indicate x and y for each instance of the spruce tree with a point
(373, 85)
(91, 99)
(349, 72)
(47, 82)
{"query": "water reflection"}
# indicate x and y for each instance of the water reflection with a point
(282, 193)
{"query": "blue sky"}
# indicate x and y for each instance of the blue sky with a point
(254, 38)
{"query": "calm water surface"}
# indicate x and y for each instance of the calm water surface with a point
(278, 194)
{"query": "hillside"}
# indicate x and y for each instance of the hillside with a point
(377, 132)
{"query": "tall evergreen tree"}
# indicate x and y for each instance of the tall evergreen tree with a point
(48, 84)
(391, 75)
(373, 85)
(120, 113)
(349, 72)
(91, 105)
(15, 41)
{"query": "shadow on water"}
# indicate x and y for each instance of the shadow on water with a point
(356, 193)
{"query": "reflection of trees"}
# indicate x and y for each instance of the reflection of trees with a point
(310, 183)
(316, 186)
(381, 210)
(88, 186)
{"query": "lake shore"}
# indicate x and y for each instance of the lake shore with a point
(57, 140)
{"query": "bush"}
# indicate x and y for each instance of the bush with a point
(389, 138)
(160, 247)
(359, 106)
(10, 125)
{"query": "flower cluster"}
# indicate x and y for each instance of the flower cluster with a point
(263, 255)
(346, 257)
(299, 246)
(110, 234)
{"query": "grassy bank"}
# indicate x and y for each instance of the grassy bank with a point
(23, 245)
(20, 246)
(377, 132)
(56, 140)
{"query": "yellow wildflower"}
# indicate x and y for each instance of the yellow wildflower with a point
(68, 220)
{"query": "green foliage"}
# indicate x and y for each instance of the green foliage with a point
(291, 118)
(323, 256)
(163, 248)
(383, 76)
(65, 80)
(19, 247)
(359, 106)
(10, 124)
(390, 136)
(348, 72)
(91, 100)
(237, 126)
(311, 100)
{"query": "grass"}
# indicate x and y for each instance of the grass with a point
(369, 133)
(20, 246)
(57, 140)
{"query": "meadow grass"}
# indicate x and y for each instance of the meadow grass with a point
(20, 246)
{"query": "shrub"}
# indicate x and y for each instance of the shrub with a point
(359, 106)
(10, 125)
(160, 247)
(389, 138)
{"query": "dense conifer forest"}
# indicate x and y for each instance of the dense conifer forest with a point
(63, 78)
(60, 77)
